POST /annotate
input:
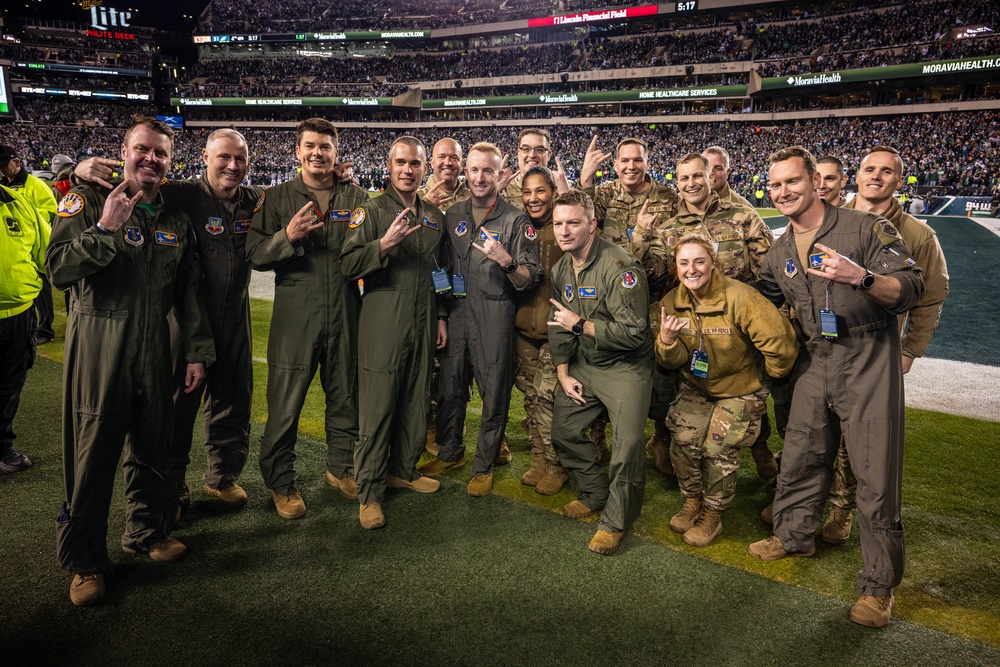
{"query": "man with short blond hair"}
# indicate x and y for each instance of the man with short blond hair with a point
(494, 254)
(719, 168)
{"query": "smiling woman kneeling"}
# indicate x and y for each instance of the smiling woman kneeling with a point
(727, 340)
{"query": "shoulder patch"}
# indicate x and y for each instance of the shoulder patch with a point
(885, 231)
(260, 202)
(530, 233)
(70, 205)
(628, 279)
(357, 218)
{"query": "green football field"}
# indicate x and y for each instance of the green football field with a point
(506, 580)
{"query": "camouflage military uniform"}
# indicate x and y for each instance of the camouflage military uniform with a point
(746, 340)
(535, 376)
(741, 240)
(616, 210)
(732, 197)
(512, 193)
(461, 193)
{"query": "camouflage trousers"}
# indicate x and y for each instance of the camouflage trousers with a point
(707, 435)
(844, 488)
(536, 378)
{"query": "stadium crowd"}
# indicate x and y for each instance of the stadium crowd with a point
(956, 152)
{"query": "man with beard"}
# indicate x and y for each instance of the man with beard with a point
(297, 231)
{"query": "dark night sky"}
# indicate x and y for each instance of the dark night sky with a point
(163, 14)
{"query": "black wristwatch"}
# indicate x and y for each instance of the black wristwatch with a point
(578, 327)
(510, 268)
(867, 282)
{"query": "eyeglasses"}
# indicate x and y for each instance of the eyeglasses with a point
(527, 150)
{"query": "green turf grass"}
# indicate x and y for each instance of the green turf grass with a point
(498, 580)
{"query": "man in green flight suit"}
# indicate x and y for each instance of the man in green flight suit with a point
(603, 350)
(297, 231)
(127, 259)
(394, 244)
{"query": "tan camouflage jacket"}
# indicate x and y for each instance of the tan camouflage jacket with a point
(730, 196)
(616, 210)
(740, 236)
(512, 193)
(461, 193)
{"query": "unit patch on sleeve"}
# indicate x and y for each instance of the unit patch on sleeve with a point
(628, 279)
(69, 205)
(260, 202)
(530, 233)
(357, 218)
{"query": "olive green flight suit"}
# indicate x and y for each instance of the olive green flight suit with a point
(615, 370)
(118, 382)
(220, 228)
(852, 385)
(399, 321)
(314, 324)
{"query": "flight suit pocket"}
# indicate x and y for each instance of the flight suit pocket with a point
(96, 359)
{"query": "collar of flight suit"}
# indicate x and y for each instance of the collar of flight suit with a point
(394, 196)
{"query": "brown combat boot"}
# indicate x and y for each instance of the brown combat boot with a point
(657, 448)
(873, 611)
(577, 510)
(553, 481)
(289, 507)
(767, 515)
(684, 520)
(837, 528)
(370, 515)
(606, 542)
(347, 485)
(705, 529)
(430, 445)
(534, 473)
(773, 549)
(437, 466)
(480, 485)
(503, 456)
(767, 466)
(86, 589)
